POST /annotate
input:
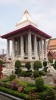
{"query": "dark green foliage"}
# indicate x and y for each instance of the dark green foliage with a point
(15, 93)
(45, 66)
(28, 65)
(47, 95)
(54, 87)
(26, 73)
(29, 89)
(45, 69)
(44, 63)
(51, 61)
(17, 66)
(54, 65)
(1, 62)
(36, 73)
(19, 72)
(37, 65)
(5, 79)
(43, 73)
(30, 85)
(39, 82)
(12, 77)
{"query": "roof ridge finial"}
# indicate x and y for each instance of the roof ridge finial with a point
(26, 11)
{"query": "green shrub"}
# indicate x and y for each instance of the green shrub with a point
(36, 73)
(54, 87)
(45, 69)
(47, 95)
(21, 82)
(42, 95)
(19, 72)
(42, 73)
(44, 63)
(29, 89)
(26, 73)
(28, 65)
(39, 82)
(51, 61)
(5, 79)
(30, 85)
(45, 66)
(17, 66)
(37, 65)
(15, 93)
(1, 62)
(12, 77)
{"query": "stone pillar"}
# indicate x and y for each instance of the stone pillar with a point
(13, 48)
(39, 49)
(45, 50)
(42, 51)
(8, 48)
(18, 46)
(26, 45)
(22, 47)
(29, 47)
(35, 48)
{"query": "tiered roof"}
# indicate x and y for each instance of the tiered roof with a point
(52, 44)
(26, 24)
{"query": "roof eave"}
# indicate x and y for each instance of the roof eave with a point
(24, 28)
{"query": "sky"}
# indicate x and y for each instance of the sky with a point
(43, 12)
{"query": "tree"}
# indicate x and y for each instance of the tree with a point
(28, 65)
(37, 65)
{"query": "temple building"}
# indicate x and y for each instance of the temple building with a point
(51, 50)
(28, 42)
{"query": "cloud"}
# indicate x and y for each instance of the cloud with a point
(8, 1)
(43, 13)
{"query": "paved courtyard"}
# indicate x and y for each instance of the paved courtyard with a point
(2, 97)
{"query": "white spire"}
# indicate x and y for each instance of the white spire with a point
(26, 16)
(26, 20)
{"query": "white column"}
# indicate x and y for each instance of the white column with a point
(8, 48)
(18, 46)
(13, 48)
(29, 47)
(39, 50)
(42, 51)
(45, 49)
(26, 45)
(22, 47)
(35, 48)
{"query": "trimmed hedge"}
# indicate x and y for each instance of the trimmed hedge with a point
(28, 65)
(43, 73)
(47, 95)
(29, 89)
(39, 82)
(26, 73)
(37, 65)
(12, 77)
(15, 93)
(36, 73)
